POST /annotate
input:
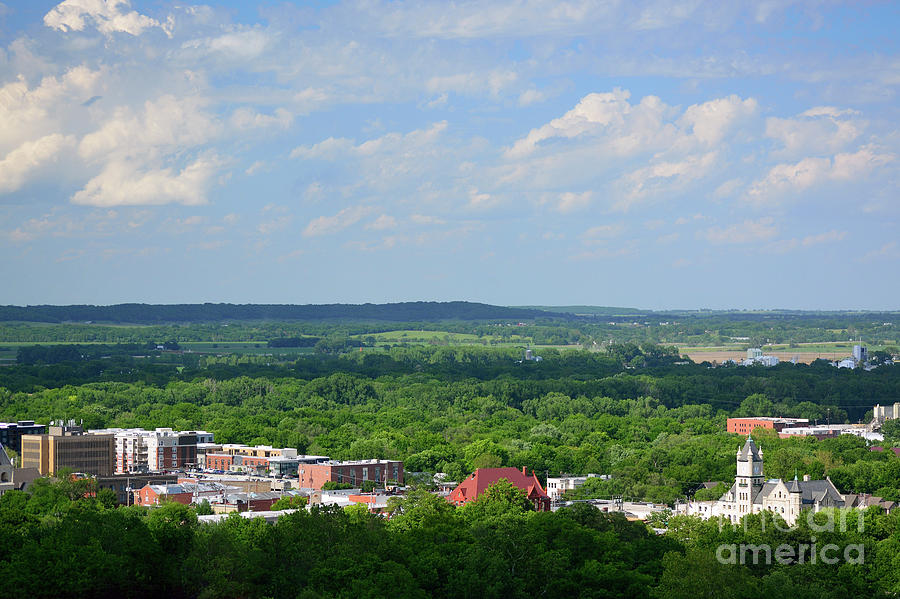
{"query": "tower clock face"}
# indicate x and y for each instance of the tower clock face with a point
(757, 469)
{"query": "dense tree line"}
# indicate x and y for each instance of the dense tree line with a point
(184, 313)
(658, 429)
(61, 541)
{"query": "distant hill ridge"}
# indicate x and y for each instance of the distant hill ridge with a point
(168, 313)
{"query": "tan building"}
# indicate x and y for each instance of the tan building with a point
(67, 447)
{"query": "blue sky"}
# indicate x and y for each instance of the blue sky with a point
(649, 154)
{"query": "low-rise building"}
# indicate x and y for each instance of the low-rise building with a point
(557, 487)
(247, 502)
(124, 485)
(382, 472)
(745, 426)
(479, 481)
(186, 493)
(864, 500)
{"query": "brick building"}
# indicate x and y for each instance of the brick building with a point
(185, 493)
(477, 483)
(354, 473)
(745, 426)
(124, 484)
(237, 463)
(156, 494)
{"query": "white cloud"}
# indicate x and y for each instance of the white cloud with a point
(727, 189)
(255, 168)
(16, 167)
(167, 124)
(125, 183)
(827, 237)
(889, 250)
(237, 45)
(748, 231)
(326, 225)
(602, 233)
(107, 16)
(335, 148)
(472, 83)
(625, 129)
(594, 111)
(382, 222)
(665, 176)
(570, 202)
(810, 172)
(423, 219)
(480, 199)
(711, 121)
(279, 223)
(825, 128)
(531, 96)
(29, 113)
(783, 246)
(245, 118)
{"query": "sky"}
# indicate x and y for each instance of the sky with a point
(681, 154)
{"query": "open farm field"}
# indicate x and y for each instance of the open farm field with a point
(803, 352)
(411, 336)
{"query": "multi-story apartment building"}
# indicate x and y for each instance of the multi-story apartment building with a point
(139, 450)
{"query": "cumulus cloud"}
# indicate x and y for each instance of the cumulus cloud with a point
(624, 128)
(125, 183)
(711, 121)
(164, 125)
(28, 113)
(665, 176)
(749, 231)
(810, 172)
(327, 225)
(16, 167)
(107, 16)
(826, 128)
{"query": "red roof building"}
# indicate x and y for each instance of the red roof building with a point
(475, 485)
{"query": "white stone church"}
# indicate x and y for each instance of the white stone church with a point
(752, 494)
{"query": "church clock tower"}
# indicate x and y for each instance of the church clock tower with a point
(749, 479)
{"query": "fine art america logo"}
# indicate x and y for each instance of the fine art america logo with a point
(812, 552)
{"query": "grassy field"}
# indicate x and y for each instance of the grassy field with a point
(409, 336)
(803, 352)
